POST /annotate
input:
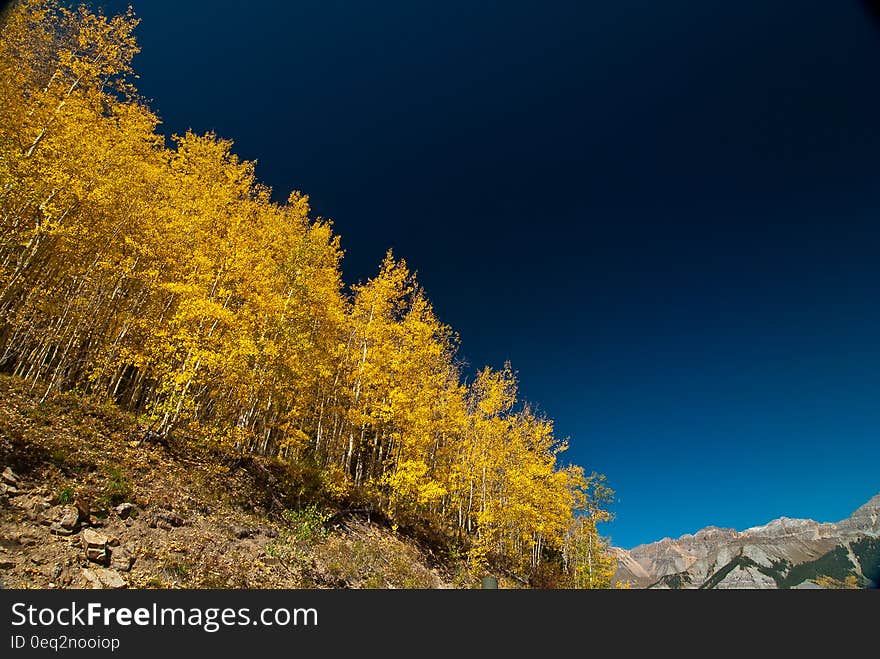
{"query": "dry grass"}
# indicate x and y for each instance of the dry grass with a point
(233, 530)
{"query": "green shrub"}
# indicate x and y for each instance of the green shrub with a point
(306, 524)
(117, 489)
(65, 495)
(305, 528)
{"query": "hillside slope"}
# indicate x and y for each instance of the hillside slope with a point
(87, 501)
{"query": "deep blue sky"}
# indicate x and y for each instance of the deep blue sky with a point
(666, 215)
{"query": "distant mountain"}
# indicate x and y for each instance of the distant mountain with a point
(785, 553)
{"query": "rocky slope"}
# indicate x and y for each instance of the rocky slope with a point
(784, 553)
(88, 501)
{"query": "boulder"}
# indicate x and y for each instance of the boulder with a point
(91, 538)
(92, 578)
(95, 546)
(100, 578)
(69, 517)
(121, 559)
(125, 510)
(64, 516)
(9, 477)
(109, 578)
(96, 555)
(62, 520)
(83, 508)
(8, 490)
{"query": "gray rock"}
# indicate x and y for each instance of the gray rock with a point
(124, 510)
(8, 490)
(9, 476)
(98, 556)
(110, 578)
(121, 559)
(95, 546)
(64, 520)
(69, 518)
(92, 538)
(92, 578)
(56, 529)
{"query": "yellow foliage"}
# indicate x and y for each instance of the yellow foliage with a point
(165, 279)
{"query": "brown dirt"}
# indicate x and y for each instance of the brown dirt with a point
(202, 518)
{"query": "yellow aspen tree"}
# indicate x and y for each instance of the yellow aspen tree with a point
(166, 279)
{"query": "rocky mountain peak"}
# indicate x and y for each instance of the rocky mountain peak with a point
(865, 519)
(872, 504)
(749, 556)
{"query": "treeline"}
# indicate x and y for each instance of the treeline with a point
(167, 280)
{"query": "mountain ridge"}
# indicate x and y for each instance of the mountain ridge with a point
(764, 556)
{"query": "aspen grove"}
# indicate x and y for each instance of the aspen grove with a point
(161, 276)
